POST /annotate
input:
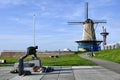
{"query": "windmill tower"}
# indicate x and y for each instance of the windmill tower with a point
(88, 41)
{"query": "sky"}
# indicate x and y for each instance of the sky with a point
(52, 31)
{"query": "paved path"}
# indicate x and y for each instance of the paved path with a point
(107, 64)
(5, 73)
(73, 73)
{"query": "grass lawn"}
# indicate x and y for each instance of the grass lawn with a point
(111, 55)
(66, 60)
(63, 60)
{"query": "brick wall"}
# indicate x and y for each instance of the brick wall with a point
(39, 54)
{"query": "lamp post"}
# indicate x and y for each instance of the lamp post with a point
(34, 16)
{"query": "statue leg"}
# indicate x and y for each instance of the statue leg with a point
(40, 63)
(35, 56)
(21, 65)
(38, 59)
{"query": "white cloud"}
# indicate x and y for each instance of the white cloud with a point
(45, 14)
(7, 3)
(40, 5)
(22, 21)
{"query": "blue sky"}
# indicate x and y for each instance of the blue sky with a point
(52, 30)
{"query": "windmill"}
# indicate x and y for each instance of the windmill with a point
(88, 41)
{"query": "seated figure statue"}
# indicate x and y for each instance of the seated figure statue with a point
(30, 51)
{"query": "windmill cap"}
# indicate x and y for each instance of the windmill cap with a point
(89, 21)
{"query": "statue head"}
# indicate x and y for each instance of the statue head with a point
(36, 47)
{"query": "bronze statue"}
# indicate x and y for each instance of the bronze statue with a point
(30, 51)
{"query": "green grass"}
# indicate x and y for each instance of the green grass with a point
(111, 55)
(10, 60)
(66, 60)
(63, 60)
